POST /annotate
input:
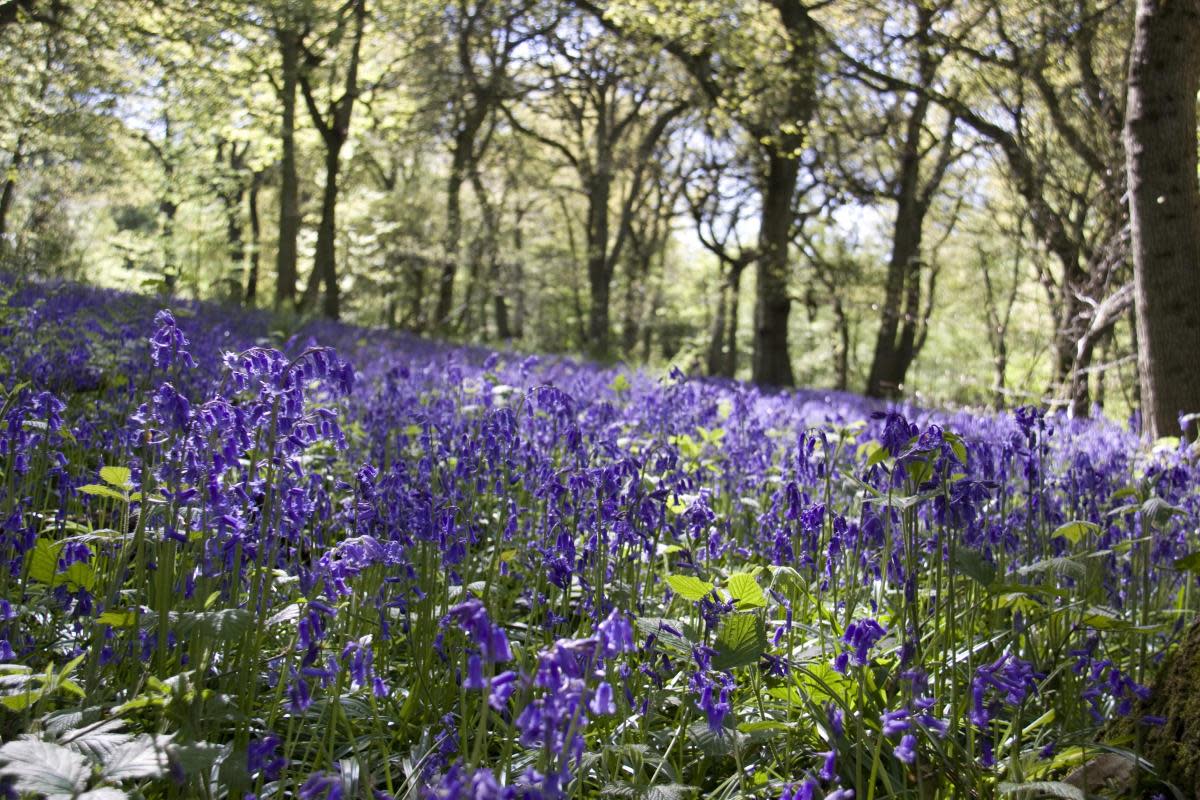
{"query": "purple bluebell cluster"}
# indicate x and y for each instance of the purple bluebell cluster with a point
(349, 563)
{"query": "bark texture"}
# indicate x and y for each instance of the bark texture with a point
(1160, 146)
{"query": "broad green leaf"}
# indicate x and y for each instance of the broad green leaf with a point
(658, 791)
(41, 767)
(689, 587)
(102, 491)
(1057, 565)
(1043, 789)
(671, 633)
(120, 477)
(142, 757)
(1074, 532)
(741, 640)
(745, 590)
(972, 564)
(1189, 563)
(118, 619)
(1159, 511)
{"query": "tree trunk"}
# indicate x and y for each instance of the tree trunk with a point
(251, 295)
(325, 257)
(235, 243)
(716, 345)
(841, 355)
(1160, 145)
(454, 183)
(735, 310)
(599, 266)
(289, 184)
(893, 344)
(7, 194)
(773, 305)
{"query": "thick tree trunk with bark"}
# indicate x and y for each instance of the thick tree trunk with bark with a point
(773, 305)
(599, 260)
(8, 193)
(286, 270)
(892, 358)
(1160, 145)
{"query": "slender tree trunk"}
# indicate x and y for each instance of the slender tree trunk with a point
(251, 295)
(720, 327)
(454, 184)
(773, 305)
(235, 242)
(841, 354)
(518, 280)
(325, 256)
(1160, 145)
(735, 309)
(286, 270)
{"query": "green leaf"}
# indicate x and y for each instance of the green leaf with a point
(118, 619)
(972, 564)
(620, 384)
(103, 793)
(142, 757)
(102, 491)
(97, 741)
(39, 767)
(1043, 789)
(120, 477)
(689, 587)
(956, 446)
(745, 590)
(639, 791)
(1057, 565)
(1189, 563)
(670, 632)
(874, 451)
(741, 640)
(228, 623)
(1074, 532)
(1159, 511)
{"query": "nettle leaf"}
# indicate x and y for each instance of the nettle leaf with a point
(98, 741)
(1159, 511)
(142, 757)
(1074, 532)
(741, 640)
(120, 477)
(972, 564)
(662, 791)
(40, 767)
(102, 491)
(689, 587)
(227, 623)
(745, 590)
(670, 632)
(1058, 565)
(103, 793)
(1043, 789)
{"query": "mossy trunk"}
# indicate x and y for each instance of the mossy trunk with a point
(1173, 748)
